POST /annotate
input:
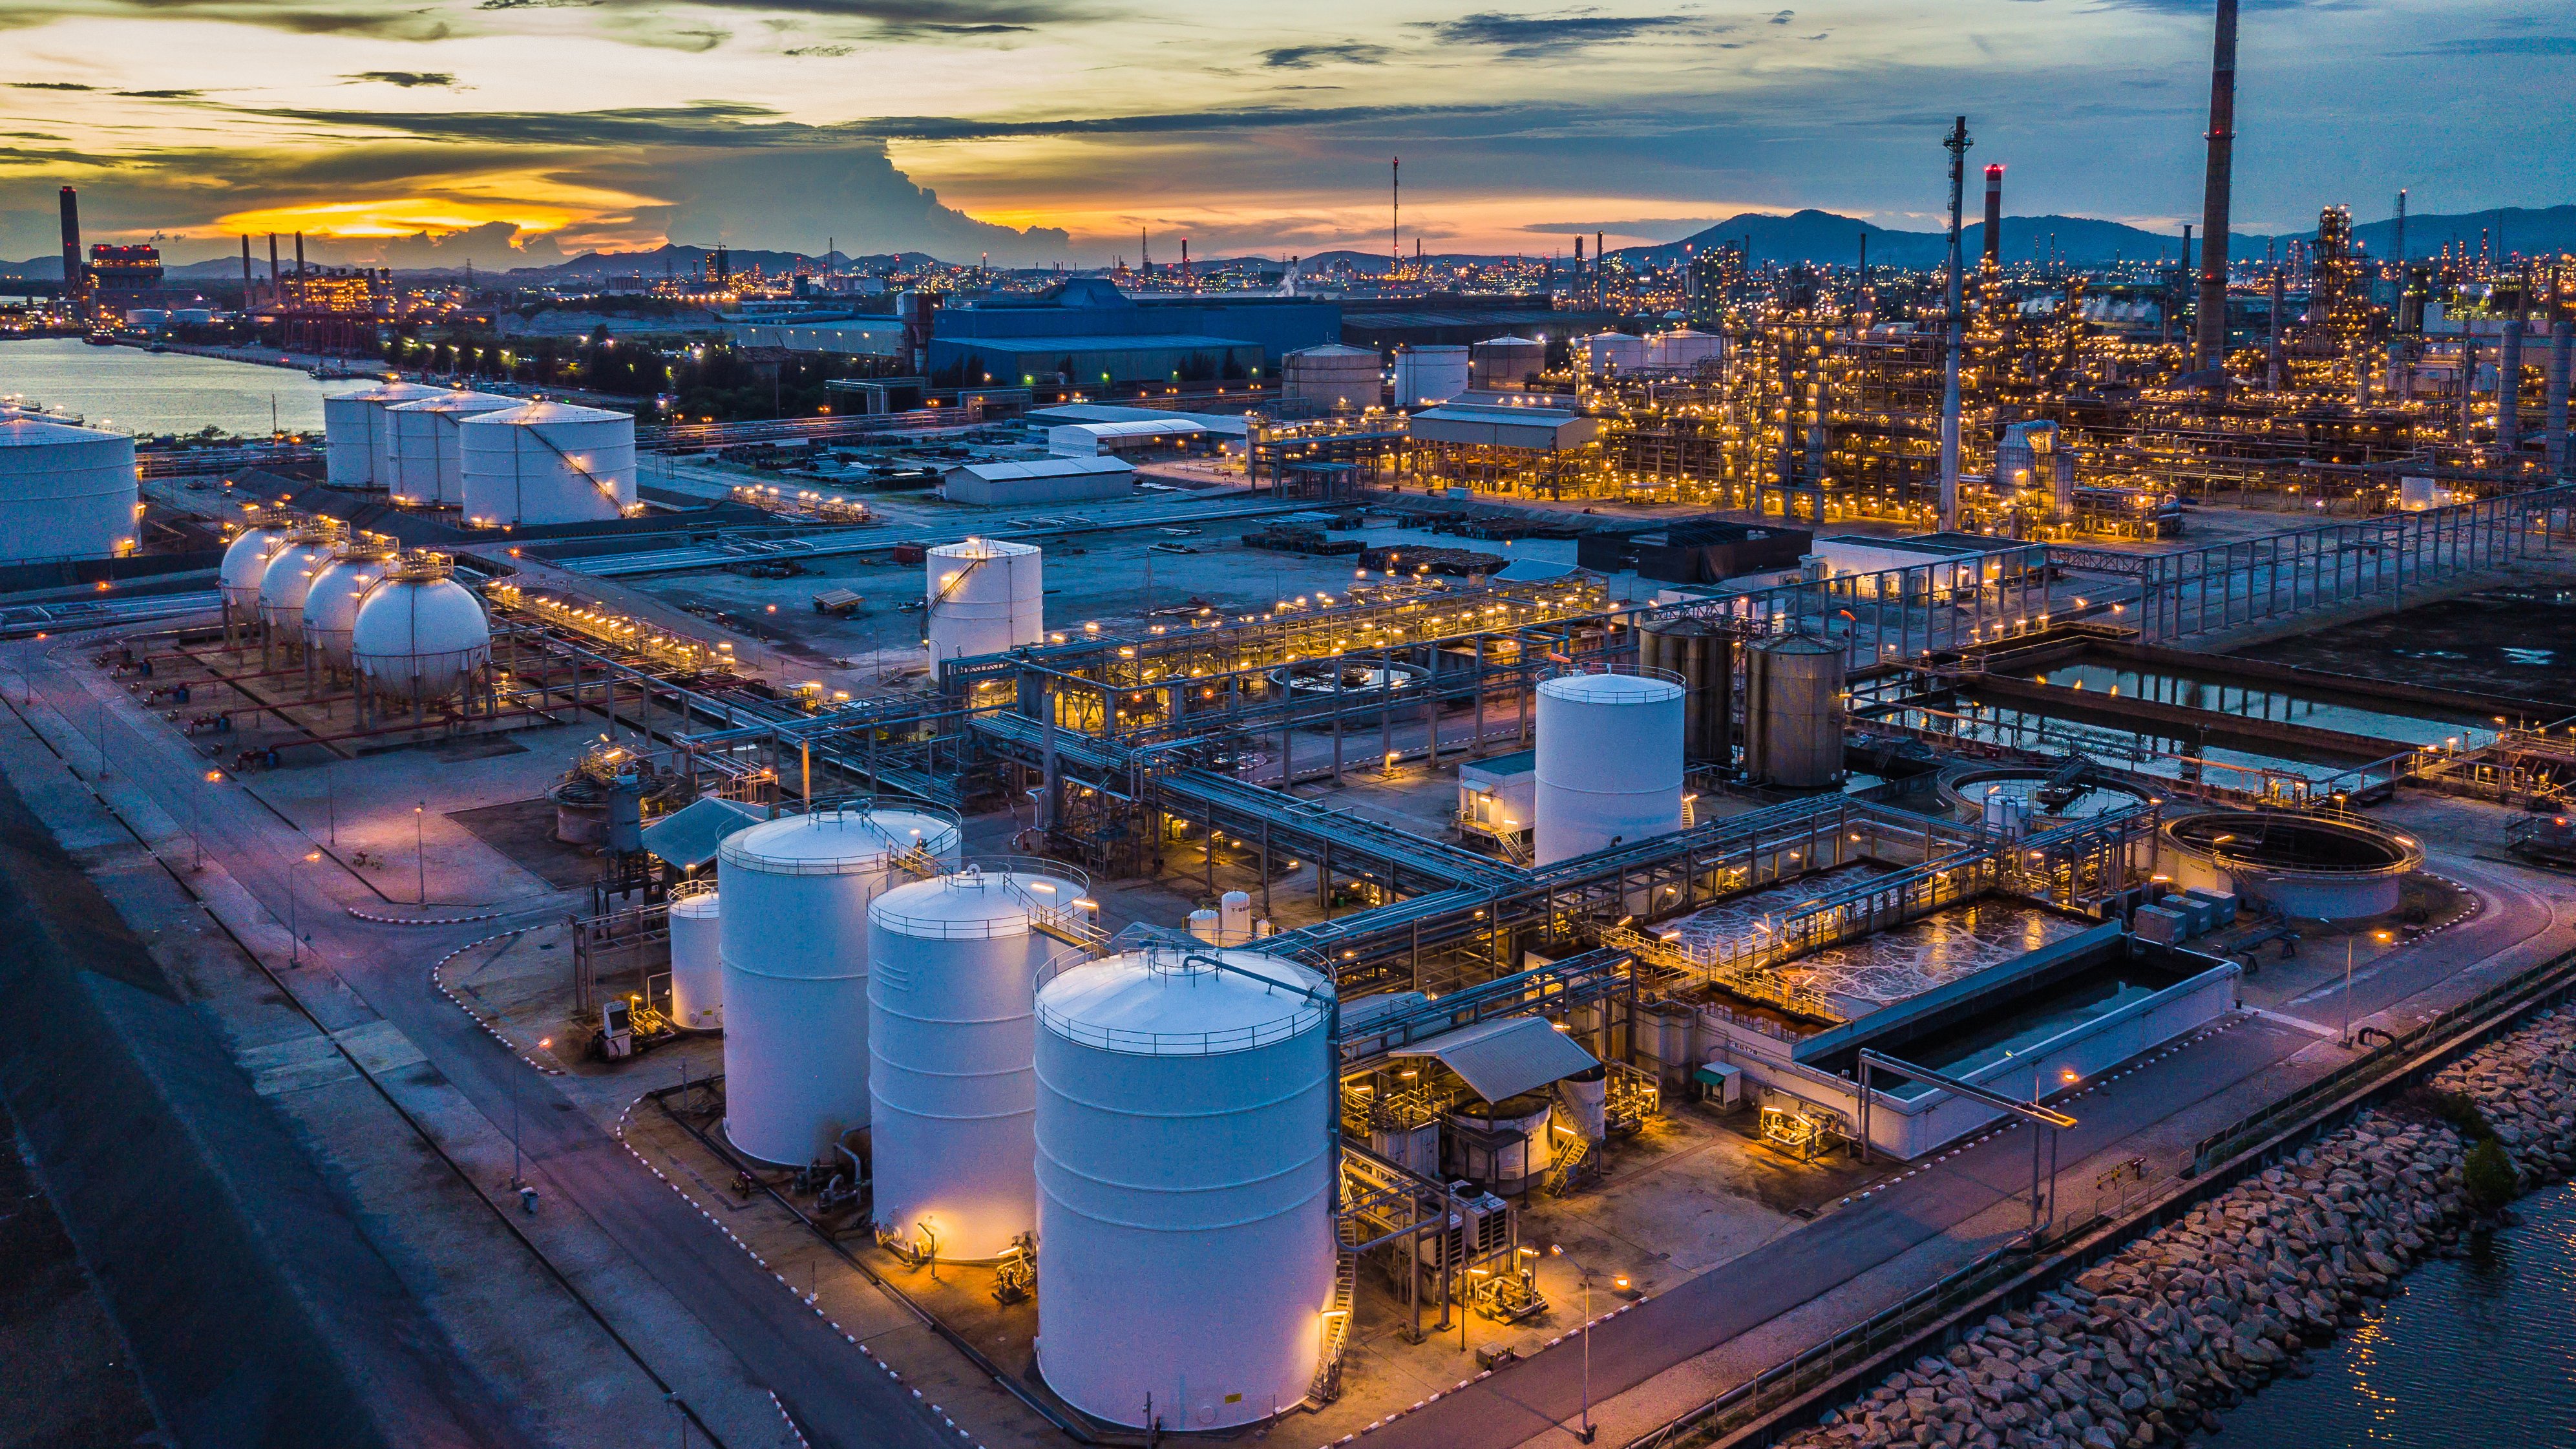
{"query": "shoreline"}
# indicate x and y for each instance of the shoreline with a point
(2148, 1346)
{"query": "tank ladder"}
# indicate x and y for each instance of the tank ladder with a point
(1327, 1383)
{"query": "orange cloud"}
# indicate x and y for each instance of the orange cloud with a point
(396, 217)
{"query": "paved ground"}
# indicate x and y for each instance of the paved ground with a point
(717, 1326)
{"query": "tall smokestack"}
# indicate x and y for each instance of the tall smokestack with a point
(299, 256)
(2397, 247)
(272, 266)
(245, 271)
(72, 273)
(2212, 332)
(1995, 214)
(1957, 144)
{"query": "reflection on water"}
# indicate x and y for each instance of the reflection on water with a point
(140, 392)
(2251, 701)
(2137, 750)
(1892, 965)
(2477, 1351)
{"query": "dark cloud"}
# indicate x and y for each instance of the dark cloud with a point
(162, 95)
(822, 50)
(1307, 57)
(1783, 17)
(49, 86)
(407, 79)
(881, 18)
(1538, 37)
(2503, 45)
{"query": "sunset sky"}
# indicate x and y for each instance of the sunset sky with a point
(1055, 129)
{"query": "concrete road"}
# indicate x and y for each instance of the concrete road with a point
(834, 1394)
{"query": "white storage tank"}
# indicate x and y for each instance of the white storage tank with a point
(354, 436)
(952, 1038)
(546, 462)
(419, 634)
(1332, 378)
(985, 595)
(331, 601)
(1184, 1180)
(65, 491)
(237, 578)
(1614, 352)
(1681, 349)
(697, 963)
(1609, 761)
(1505, 364)
(426, 454)
(288, 577)
(793, 939)
(1428, 376)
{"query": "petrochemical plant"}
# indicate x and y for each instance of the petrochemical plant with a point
(1280, 916)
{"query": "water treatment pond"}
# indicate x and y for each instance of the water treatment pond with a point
(2249, 700)
(2142, 750)
(2516, 642)
(1893, 965)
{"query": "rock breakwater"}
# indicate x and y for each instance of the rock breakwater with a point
(2150, 1345)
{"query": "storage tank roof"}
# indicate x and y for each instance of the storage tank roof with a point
(531, 414)
(458, 402)
(1174, 1002)
(1511, 342)
(973, 904)
(1611, 688)
(983, 548)
(836, 842)
(1801, 644)
(391, 392)
(27, 430)
(1334, 349)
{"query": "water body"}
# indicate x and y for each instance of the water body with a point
(2256, 701)
(2477, 1351)
(2143, 751)
(2517, 642)
(132, 391)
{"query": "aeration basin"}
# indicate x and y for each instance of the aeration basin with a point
(2315, 867)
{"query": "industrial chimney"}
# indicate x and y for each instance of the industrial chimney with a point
(73, 276)
(2210, 335)
(1995, 214)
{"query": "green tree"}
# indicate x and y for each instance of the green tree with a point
(2489, 1177)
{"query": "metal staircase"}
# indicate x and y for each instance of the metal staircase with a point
(1327, 1383)
(1571, 1154)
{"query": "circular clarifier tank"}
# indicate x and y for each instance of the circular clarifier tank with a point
(2311, 866)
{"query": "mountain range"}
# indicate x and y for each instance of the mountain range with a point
(1800, 236)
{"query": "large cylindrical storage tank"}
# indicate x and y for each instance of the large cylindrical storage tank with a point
(1184, 1182)
(697, 961)
(287, 579)
(65, 491)
(793, 938)
(546, 462)
(952, 1038)
(1332, 378)
(332, 599)
(419, 634)
(1793, 712)
(426, 452)
(1609, 762)
(1704, 657)
(1682, 349)
(354, 436)
(1614, 352)
(1503, 364)
(984, 595)
(1427, 376)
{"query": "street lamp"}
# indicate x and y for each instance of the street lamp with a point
(2380, 937)
(1557, 1250)
(197, 830)
(294, 934)
(420, 861)
(543, 1043)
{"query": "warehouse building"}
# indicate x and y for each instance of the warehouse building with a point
(1088, 333)
(1041, 480)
